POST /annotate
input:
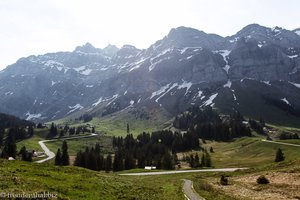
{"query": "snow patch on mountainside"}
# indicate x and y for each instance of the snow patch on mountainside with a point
(228, 84)
(153, 65)
(76, 107)
(160, 91)
(224, 54)
(53, 63)
(182, 51)
(78, 69)
(210, 100)
(293, 56)
(33, 116)
(186, 85)
(166, 92)
(98, 102)
(295, 84)
(9, 93)
(199, 93)
(86, 72)
(267, 82)
(285, 100)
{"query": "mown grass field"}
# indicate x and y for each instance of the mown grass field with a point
(75, 145)
(249, 152)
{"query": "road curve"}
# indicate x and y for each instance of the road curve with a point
(282, 143)
(183, 171)
(49, 153)
(189, 191)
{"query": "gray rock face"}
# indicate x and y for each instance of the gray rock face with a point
(187, 67)
(267, 62)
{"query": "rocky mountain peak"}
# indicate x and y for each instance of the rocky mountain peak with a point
(87, 48)
(110, 50)
(127, 51)
(182, 37)
(297, 31)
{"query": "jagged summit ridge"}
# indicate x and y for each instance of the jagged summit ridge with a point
(186, 67)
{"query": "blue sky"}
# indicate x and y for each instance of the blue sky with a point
(34, 27)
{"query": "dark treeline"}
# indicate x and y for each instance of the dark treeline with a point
(145, 150)
(154, 149)
(195, 160)
(62, 158)
(159, 148)
(207, 124)
(55, 131)
(8, 121)
(257, 126)
(9, 138)
(286, 136)
(92, 158)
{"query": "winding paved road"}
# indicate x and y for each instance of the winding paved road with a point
(49, 153)
(182, 171)
(189, 191)
(288, 144)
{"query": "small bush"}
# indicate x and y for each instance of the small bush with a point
(224, 180)
(262, 180)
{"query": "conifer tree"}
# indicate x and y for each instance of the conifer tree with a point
(167, 161)
(197, 161)
(108, 163)
(30, 131)
(207, 159)
(203, 160)
(65, 155)
(128, 129)
(78, 160)
(279, 155)
(129, 162)
(58, 160)
(192, 160)
(1, 136)
(26, 156)
(11, 144)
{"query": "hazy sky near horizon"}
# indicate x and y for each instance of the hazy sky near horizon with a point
(34, 27)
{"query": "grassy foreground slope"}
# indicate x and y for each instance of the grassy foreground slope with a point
(78, 183)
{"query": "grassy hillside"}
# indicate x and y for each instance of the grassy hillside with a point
(79, 144)
(77, 183)
(249, 152)
(115, 125)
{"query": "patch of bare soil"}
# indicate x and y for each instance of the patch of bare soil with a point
(283, 185)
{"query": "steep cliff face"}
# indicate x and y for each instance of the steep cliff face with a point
(187, 67)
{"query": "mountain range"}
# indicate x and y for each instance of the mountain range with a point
(256, 71)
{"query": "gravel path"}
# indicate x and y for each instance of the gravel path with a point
(49, 153)
(182, 171)
(189, 191)
(288, 144)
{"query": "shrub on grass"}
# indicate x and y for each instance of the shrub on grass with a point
(262, 180)
(224, 180)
